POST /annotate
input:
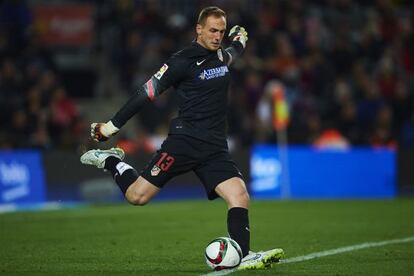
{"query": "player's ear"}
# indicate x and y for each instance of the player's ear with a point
(198, 29)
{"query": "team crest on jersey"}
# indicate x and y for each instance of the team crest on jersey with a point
(161, 72)
(213, 73)
(220, 54)
(155, 170)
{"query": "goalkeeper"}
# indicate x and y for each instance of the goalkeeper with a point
(197, 138)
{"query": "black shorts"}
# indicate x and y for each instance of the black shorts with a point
(180, 154)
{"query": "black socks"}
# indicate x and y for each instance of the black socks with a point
(123, 173)
(238, 227)
(237, 217)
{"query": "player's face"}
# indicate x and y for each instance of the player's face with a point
(212, 32)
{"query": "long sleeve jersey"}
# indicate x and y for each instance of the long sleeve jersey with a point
(201, 79)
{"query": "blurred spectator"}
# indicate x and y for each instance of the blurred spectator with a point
(383, 132)
(63, 115)
(20, 130)
(331, 139)
(285, 64)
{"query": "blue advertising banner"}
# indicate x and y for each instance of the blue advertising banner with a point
(21, 177)
(313, 173)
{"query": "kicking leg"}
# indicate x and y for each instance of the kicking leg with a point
(137, 190)
(141, 192)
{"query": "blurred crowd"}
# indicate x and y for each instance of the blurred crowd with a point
(346, 67)
(36, 111)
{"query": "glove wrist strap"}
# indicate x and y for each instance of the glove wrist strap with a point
(109, 129)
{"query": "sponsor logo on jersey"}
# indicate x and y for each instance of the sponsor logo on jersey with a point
(155, 170)
(161, 72)
(213, 73)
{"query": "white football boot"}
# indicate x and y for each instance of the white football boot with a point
(97, 157)
(261, 259)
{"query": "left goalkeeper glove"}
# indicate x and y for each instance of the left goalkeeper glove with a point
(239, 34)
(101, 132)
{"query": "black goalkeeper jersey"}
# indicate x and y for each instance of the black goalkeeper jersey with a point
(201, 79)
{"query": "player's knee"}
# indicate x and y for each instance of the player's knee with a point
(137, 199)
(239, 199)
(244, 197)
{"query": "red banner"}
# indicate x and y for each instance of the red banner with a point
(64, 25)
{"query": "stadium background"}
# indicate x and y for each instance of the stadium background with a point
(345, 148)
(346, 70)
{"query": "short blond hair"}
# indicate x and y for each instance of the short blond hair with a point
(209, 11)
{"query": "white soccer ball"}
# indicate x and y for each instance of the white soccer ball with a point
(223, 253)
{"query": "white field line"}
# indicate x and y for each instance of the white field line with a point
(320, 254)
(344, 249)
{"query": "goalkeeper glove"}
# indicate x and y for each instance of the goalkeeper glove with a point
(239, 34)
(101, 132)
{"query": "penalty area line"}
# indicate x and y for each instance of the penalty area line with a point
(325, 253)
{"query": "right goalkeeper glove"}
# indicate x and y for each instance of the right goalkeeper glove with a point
(238, 33)
(101, 132)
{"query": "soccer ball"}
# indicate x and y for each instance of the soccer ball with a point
(223, 253)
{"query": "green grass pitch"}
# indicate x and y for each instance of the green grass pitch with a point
(168, 238)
